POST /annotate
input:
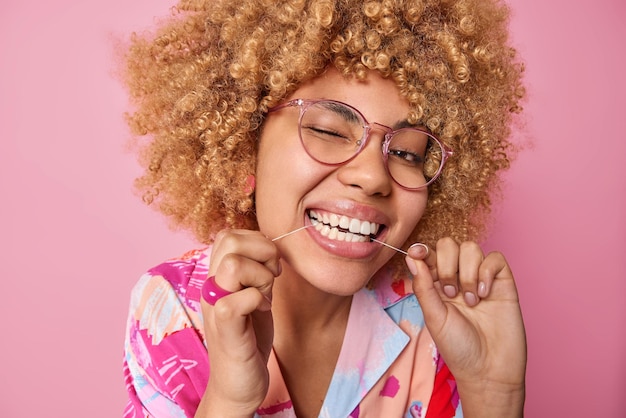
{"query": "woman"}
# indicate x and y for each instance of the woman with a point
(337, 157)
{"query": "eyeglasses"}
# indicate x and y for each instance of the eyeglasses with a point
(334, 133)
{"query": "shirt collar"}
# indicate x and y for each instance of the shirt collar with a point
(371, 344)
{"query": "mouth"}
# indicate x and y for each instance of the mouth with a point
(342, 228)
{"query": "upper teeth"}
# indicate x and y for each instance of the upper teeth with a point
(335, 226)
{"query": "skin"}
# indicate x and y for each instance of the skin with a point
(478, 327)
(285, 298)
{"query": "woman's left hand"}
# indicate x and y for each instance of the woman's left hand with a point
(472, 311)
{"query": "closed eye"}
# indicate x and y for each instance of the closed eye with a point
(326, 134)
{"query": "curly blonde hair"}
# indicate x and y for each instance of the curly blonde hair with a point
(202, 85)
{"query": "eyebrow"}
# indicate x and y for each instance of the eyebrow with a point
(342, 110)
(403, 124)
(351, 115)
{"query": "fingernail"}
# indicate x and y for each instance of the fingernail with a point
(470, 299)
(410, 263)
(419, 250)
(449, 290)
(482, 289)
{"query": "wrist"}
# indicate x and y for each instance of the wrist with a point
(212, 408)
(214, 405)
(492, 400)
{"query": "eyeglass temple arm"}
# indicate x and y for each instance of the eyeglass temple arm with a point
(294, 102)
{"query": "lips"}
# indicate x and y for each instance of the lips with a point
(342, 228)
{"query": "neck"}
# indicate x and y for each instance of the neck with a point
(309, 329)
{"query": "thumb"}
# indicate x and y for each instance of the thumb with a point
(426, 292)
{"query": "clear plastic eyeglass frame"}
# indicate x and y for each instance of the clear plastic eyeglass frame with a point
(368, 127)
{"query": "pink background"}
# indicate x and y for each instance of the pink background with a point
(75, 239)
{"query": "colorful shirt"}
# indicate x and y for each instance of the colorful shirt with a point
(388, 365)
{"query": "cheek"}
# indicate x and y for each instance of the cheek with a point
(284, 174)
(283, 164)
(277, 168)
(412, 209)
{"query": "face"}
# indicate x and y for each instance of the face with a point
(293, 190)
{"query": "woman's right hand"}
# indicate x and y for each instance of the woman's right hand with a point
(239, 327)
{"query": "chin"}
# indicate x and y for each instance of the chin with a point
(344, 281)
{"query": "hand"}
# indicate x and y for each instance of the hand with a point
(239, 328)
(471, 309)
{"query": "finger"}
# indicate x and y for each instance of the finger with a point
(236, 272)
(419, 251)
(448, 266)
(470, 259)
(227, 324)
(251, 244)
(427, 294)
(496, 268)
(229, 316)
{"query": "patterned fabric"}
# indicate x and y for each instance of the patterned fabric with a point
(388, 365)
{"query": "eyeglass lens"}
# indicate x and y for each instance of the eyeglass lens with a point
(333, 133)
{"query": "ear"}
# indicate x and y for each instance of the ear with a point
(250, 184)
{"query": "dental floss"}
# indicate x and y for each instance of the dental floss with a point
(291, 232)
(390, 246)
(371, 239)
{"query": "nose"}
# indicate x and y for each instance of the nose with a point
(367, 170)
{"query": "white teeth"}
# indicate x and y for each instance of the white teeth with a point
(333, 226)
(365, 228)
(355, 226)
